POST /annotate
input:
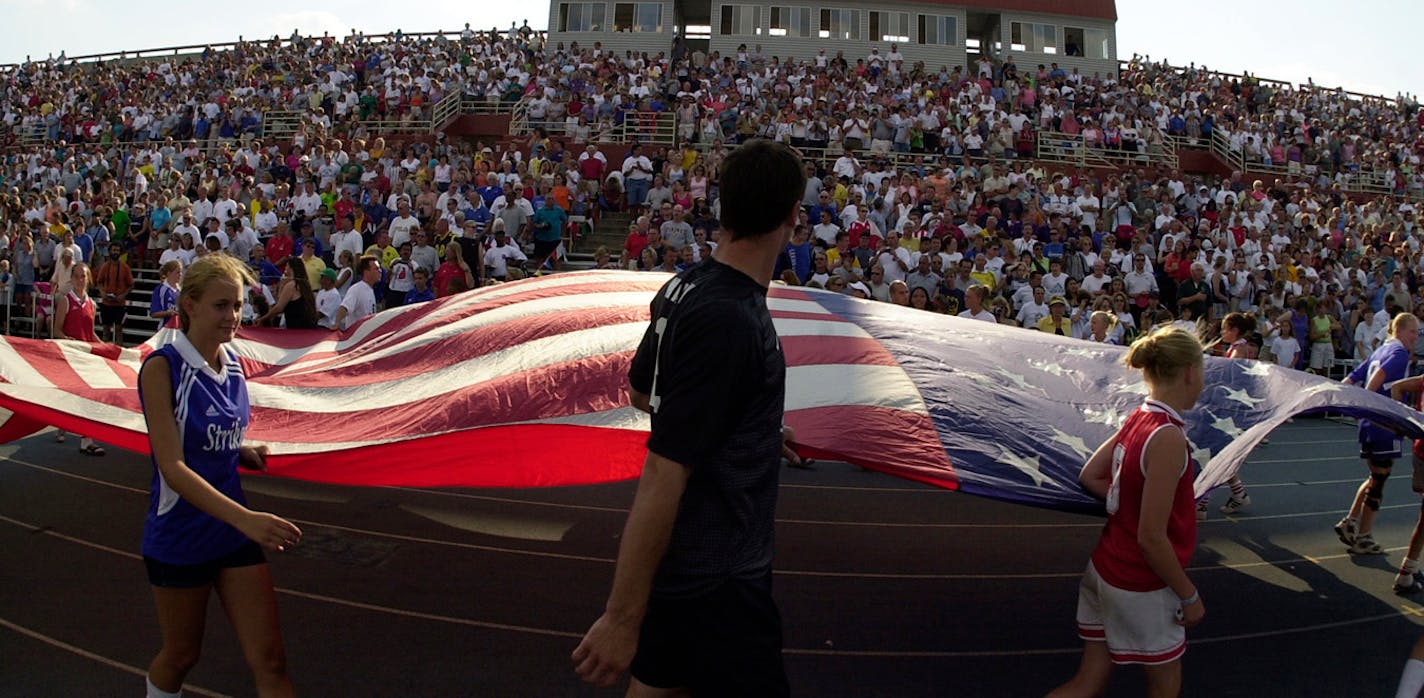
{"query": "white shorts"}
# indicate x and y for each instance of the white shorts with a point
(1140, 627)
(1322, 356)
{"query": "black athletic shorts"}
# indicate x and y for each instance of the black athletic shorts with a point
(544, 248)
(112, 314)
(726, 643)
(162, 574)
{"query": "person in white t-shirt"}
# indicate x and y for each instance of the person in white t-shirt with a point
(893, 258)
(360, 300)
(974, 301)
(328, 300)
(1034, 310)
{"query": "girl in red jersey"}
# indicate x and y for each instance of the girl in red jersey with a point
(1135, 601)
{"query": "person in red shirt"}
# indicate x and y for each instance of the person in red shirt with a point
(279, 247)
(74, 319)
(637, 240)
(1135, 601)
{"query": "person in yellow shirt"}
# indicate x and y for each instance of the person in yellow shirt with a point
(982, 275)
(383, 250)
(1057, 321)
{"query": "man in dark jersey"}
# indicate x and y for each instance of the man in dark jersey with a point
(691, 607)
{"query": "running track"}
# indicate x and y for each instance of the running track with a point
(888, 588)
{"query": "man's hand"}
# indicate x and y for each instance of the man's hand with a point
(606, 650)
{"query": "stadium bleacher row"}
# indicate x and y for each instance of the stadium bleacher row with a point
(1311, 188)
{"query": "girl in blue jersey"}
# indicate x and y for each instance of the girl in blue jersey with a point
(199, 534)
(164, 304)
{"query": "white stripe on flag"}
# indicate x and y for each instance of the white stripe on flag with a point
(15, 369)
(93, 370)
(567, 347)
(844, 385)
(544, 306)
(788, 327)
(70, 403)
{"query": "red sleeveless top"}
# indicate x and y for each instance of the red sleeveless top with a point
(1118, 558)
(79, 321)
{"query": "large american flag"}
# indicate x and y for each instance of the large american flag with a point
(524, 384)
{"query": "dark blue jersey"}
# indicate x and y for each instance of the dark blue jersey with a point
(211, 410)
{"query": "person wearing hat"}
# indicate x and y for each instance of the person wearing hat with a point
(313, 264)
(328, 299)
(1057, 320)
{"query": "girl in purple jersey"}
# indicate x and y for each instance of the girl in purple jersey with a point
(199, 534)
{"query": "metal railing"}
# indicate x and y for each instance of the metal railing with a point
(653, 128)
(1074, 149)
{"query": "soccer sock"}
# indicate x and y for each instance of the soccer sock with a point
(1238, 488)
(1412, 681)
(156, 692)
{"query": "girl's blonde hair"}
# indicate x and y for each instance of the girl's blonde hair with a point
(204, 273)
(1164, 353)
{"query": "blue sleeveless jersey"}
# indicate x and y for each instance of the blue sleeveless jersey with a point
(212, 412)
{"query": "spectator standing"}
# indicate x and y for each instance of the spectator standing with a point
(359, 302)
(328, 300)
(637, 175)
(115, 281)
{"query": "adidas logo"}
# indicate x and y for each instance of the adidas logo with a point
(212, 411)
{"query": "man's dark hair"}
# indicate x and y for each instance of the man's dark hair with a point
(762, 181)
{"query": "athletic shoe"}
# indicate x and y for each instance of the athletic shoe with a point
(1346, 529)
(1366, 545)
(1413, 586)
(1203, 509)
(1234, 505)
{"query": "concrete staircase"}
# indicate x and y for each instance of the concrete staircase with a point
(611, 232)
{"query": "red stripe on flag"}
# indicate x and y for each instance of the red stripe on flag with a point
(534, 455)
(912, 451)
(812, 350)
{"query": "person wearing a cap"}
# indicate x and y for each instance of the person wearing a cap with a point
(328, 299)
(313, 264)
(1057, 321)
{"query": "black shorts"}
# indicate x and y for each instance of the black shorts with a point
(112, 314)
(162, 574)
(726, 643)
(543, 248)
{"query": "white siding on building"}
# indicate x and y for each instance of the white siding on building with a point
(617, 42)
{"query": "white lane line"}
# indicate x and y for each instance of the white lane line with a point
(952, 654)
(488, 625)
(547, 632)
(786, 573)
(94, 657)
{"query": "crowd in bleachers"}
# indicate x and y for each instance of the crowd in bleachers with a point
(923, 190)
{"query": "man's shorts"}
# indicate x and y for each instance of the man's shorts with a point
(24, 289)
(112, 314)
(1322, 356)
(162, 574)
(725, 643)
(1140, 627)
(1378, 444)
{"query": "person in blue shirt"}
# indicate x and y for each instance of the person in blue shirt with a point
(490, 192)
(1379, 447)
(422, 291)
(548, 225)
(199, 535)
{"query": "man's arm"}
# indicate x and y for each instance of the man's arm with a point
(608, 647)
